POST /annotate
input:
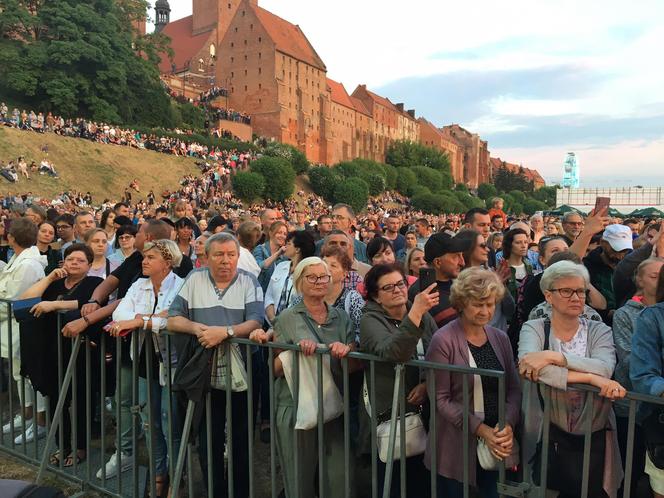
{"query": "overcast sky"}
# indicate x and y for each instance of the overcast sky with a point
(535, 78)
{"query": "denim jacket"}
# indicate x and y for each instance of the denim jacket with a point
(646, 368)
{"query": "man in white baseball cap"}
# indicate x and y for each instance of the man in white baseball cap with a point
(616, 243)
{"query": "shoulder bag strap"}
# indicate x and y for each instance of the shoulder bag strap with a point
(547, 333)
(312, 329)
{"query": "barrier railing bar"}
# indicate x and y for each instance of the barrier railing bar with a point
(149, 431)
(466, 430)
(393, 430)
(250, 418)
(321, 426)
(629, 459)
(273, 455)
(347, 449)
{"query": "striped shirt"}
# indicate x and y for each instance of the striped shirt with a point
(201, 301)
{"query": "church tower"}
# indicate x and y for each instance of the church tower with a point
(163, 14)
(211, 14)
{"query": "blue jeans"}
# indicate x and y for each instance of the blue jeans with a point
(486, 483)
(157, 436)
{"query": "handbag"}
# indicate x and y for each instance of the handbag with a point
(487, 460)
(22, 307)
(218, 379)
(565, 454)
(415, 433)
(653, 433)
(307, 406)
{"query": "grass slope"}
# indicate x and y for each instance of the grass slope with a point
(104, 170)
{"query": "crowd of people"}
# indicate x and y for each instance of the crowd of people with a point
(546, 300)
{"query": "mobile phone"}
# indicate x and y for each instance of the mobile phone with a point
(602, 203)
(427, 277)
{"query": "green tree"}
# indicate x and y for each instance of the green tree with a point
(294, 156)
(406, 180)
(390, 176)
(354, 192)
(461, 187)
(506, 180)
(375, 182)
(248, 186)
(77, 59)
(531, 206)
(428, 177)
(403, 153)
(518, 196)
(546, 195)
(428, 202)
(486, 191)
(324, 181)
(278, 175)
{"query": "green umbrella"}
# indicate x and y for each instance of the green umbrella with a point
(615, 213)
(564, 209)
(649, 212)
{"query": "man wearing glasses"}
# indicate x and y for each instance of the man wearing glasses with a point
(572, 226)
(343, 218)
(64, 226)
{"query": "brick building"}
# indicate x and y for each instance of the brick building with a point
(274, 74)
(475, 154)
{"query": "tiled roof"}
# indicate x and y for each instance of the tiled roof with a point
(338, 94)
(531, 174)
(359, 106)
(289, 38)
(425, 123)
(382, 101)
(184, 44)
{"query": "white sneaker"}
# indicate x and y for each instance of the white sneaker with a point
(112, 465)
(18, 424)
(29, 435)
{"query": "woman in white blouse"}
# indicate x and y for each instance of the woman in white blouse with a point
(145, 309)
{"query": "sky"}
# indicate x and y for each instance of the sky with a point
(536, 78)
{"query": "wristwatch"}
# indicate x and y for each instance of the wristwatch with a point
(146, 319)
(94, 301)
(230, 332)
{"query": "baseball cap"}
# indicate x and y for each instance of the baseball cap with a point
(442, 243)
(619, 237)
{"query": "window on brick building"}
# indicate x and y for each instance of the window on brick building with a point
(245, 72)
(260, 86)
(245, 57)
(245, 88)
(232, 44)
(259, 55)
(236, 29)
(260, 70)
(232, 74)
(260, 39)
(251, 26)
(243, 13)
(260, 101)
(245, 43)
(232, 59)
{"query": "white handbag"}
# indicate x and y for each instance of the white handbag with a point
(416, 435)
(307, 406)
(487, 460)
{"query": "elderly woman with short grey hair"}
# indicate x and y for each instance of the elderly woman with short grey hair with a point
(563, 350)
(307, 324)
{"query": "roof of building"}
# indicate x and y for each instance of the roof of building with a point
(338, 94)
(185, 45)
(429, 125)
(359, 106)
(385, 102)
(289, 38)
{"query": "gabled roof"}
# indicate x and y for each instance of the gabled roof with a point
(431, 127)
(359, 106)
(338, 94)
(185, 45)
(289, 38)
(385, 102)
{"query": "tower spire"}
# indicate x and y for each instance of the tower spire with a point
(163, 14)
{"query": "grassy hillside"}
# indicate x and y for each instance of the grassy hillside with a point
(104, 170)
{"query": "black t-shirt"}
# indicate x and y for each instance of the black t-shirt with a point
(443, 313)
(532, 296)
(39, 337)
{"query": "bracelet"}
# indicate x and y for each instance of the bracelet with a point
(86, 319)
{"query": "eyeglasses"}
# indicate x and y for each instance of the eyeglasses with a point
(483, 246)
(566, 292)
(63, 227)
(401, 284)
(314, 279)
(125, 237)
(339, 217)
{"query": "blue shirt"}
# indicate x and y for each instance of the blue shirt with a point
(646, 363)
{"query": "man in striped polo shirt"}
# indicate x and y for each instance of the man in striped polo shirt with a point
(214, 304)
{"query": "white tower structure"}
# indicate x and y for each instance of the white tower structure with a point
(571, 171)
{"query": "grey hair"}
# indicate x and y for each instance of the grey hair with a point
(347, 207)
(303, 265)
(569, 214)
(221, 238)
(563, 269)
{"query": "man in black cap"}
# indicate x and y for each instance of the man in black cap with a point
(443, 253)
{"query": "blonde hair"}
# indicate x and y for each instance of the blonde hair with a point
(168, 249)
(91, 233)
(475, 283)
(304, 264)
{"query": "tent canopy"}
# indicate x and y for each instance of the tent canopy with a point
(650, 212)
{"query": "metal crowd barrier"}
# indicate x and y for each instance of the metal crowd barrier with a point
(141, 477)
